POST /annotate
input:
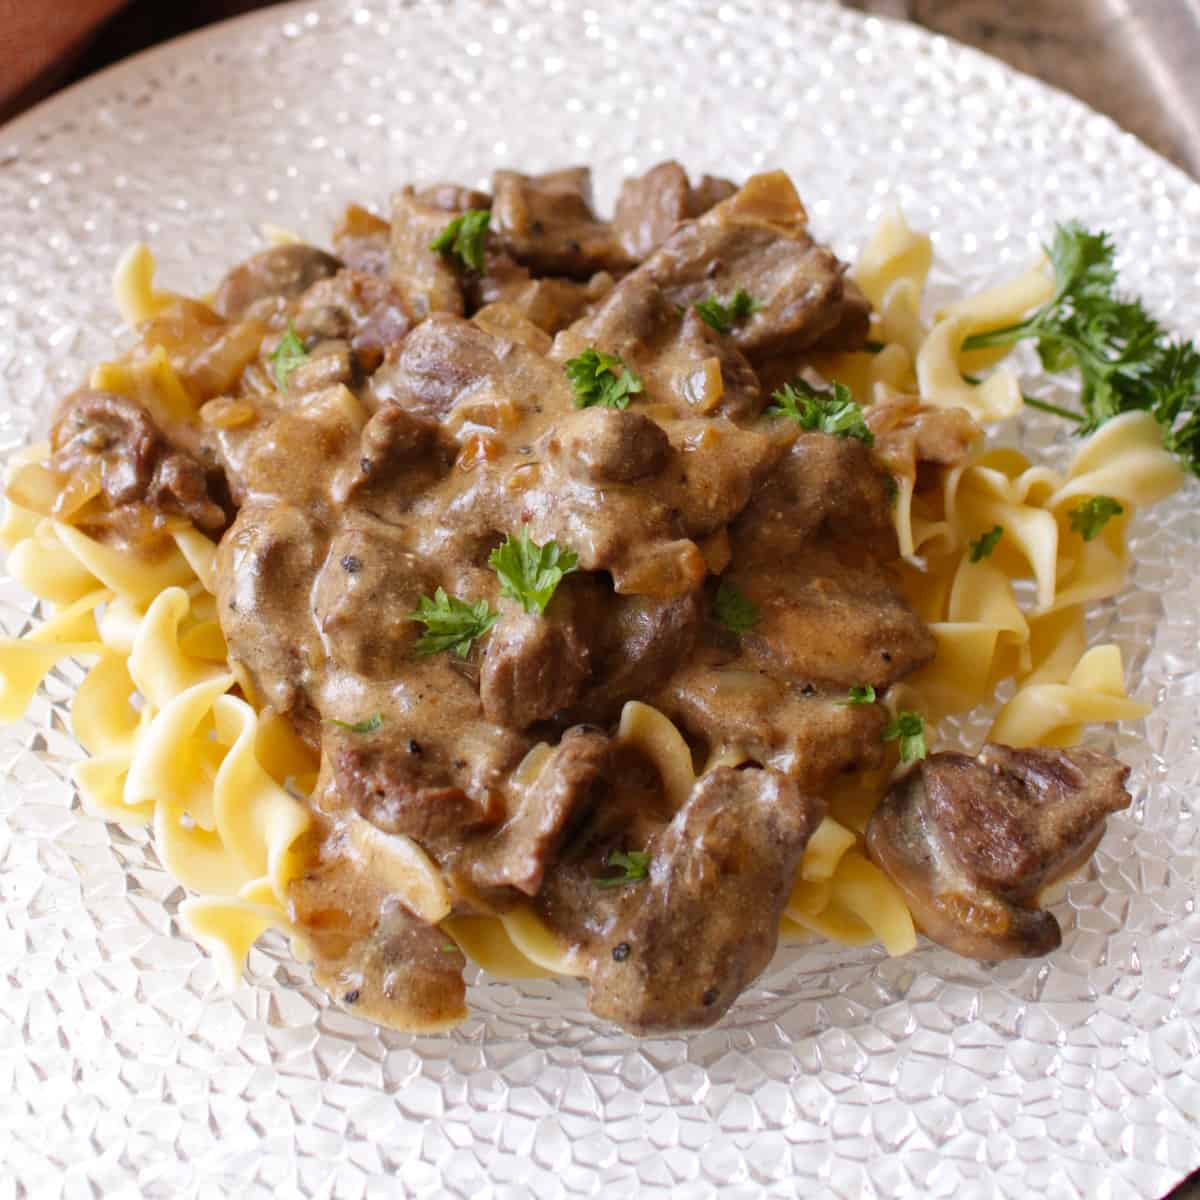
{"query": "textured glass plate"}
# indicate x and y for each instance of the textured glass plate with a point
(126, 1071)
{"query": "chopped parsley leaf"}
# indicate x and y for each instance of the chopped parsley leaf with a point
(602, 380)
(982, 547)
(465, 238)
(287, 356)
(530, 573)
(734, 609)
(833, 411)
(859, 694)
(450, 623)
(370, 725)
(1090, 517)
(634, 867)
(723, 316)
(909, 729)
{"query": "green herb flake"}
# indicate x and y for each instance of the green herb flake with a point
(370, 725)
(530, 573)
(734, 609)
(465, 238)
(602, 380)
(983, 546)
(833, 411)
(287, 356)
(860, 694)
(450, 623)
(634, 868)
(1090, 517)
(723, 316)
(909, 729)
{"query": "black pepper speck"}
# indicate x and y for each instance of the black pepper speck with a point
(620, 952)
(414, 747)
(351, 564)
(709, 998)
(351, 997)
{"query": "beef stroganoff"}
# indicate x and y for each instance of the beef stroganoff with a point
(582, 596)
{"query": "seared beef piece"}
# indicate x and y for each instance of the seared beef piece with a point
(399, 458)
(639, 642)
(681, 360)
(360, 239)
(824, 620)
(605, 445)
(824, 487)
(573, 780)
(364, 310)
(534, 666)
(756, 240)
(390, 782)
(435, 364)
(909, 433)
(651, 206)
(811, 736)
(852, 331)
(547, 223)
(701, 929)
(372, 953)
(427, 280)
(551, 304)
(138, 464)
(972, 842)
(266, 563)
(260, 286)
(365, 594)
(453, 197)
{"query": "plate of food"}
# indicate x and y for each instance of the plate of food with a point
(595, 599)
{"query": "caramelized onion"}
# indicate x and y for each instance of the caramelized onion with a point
(34, 486)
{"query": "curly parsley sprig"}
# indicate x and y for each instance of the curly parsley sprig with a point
(450, 623)
(465, 238)
(723, 315)
(529, 573)
(1125, 358)
(602, 380)
(833, 411)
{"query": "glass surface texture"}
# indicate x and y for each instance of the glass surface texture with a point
(126, 1071)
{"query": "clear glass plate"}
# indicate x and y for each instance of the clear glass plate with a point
(126, 1071)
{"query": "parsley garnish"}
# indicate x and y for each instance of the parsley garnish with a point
(464, 238)
(529, 573)
(287, 356)
(1125, 358)
(1089, 518)
(909, 727)
(860, 694)
(734, 609)
(635, 867)
(450, 623)
(371, 724)
(982, 547)
(832, 411)
(602, 379)
(723, 316)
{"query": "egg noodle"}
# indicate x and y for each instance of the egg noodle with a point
(172, 743)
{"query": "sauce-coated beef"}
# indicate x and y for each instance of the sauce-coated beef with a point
(651, 206)
(261, 285)
(972, 842)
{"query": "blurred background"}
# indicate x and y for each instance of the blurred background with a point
(1136, 60)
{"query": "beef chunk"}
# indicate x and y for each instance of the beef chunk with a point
(267, 559)
(824, 620)
(453, 197)
(260, 286)
(826, 488)
(138, 464)
(806, 734)
(605, 445)
(972, 842)
(428, 281)
(705, 924)
(756, 240)
(365, 594)
(399, 457)
(550, 303)
(547, 223)
(909, 434)
(395, 787)
(854, 326)
(651, 206)
(534, 666)
(365, 311)
(561, 796)
(361, 241)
